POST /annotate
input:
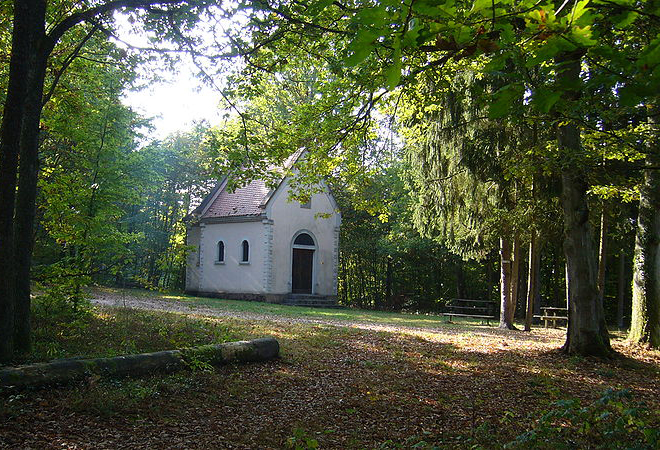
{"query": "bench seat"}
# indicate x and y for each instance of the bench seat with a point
(476, 316)
(552, 318)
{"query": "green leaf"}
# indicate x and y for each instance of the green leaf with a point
(582, 36)
(361, 47)
(629, 96)
(463, 34)
(544, 99)
(411, 36)
(315, 8)
(479, 5)
(625, 19)
(579, 9)
(393, 72)
(496, 64)
(545, 53)
(376, 17)
(504, 99)
(358, 55)
(426, 9)
(650, 55)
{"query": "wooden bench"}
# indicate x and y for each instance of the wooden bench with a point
(477, 309)
(553, 315)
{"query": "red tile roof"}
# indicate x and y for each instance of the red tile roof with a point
(244, 201)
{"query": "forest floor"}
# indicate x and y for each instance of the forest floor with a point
(345, 379)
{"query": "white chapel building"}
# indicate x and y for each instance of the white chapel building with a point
(256, 244)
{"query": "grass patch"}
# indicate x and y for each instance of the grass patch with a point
(420, 320)
(95, 332)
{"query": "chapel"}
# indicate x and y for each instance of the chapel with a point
(255, 243)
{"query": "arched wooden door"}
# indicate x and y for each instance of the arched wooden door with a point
(302, 270)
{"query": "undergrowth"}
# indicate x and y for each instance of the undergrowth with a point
(614, 421)
(61, 331)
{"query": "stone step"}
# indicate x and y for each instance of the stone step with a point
(314, 301)
(309, 302)
(312, 305)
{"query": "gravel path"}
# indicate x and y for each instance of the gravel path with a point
(158, 304)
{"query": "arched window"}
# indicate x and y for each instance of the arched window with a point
(245, 251)
(304, 239)
(221, 251)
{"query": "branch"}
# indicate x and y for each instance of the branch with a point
(292, 19)
(438, 62)
(211, 81)
(451, 175)
(74, 19)
(67, 63)
(607, 4)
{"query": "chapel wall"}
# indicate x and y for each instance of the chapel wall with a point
(192, 259)
(232, 275)
(288, 219)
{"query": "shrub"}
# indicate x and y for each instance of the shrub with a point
(613, 421)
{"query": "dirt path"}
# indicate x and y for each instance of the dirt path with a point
(155, 303)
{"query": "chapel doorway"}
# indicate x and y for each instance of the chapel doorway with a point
(302, 270)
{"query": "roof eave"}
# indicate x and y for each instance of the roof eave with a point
(234, 219)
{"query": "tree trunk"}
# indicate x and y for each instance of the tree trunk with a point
(388, 283)
(587, 332)
(567, 286)
(621, 286)
(505, 284)
(460, 279)
(67, 370)
(602, 253)
(645, 320)
(490, 277)
(25, 203)
(521, 306)
(533, 284)
(28, 16)
(515, 278)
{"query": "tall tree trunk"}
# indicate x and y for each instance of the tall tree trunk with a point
(490, 277)
(388, 283)
(567, 286)
(460, 279)
(521, 307)
(533, 285)
(602, 253)
(587, 331)
(375, 286)
(25, 205)
(621, 287)
(505, 284)
(28, 15)
(645, 320)
(515, 278)
(587, 334)
(554, 281)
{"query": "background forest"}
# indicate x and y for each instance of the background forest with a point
(111, 206)
(477, 149)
